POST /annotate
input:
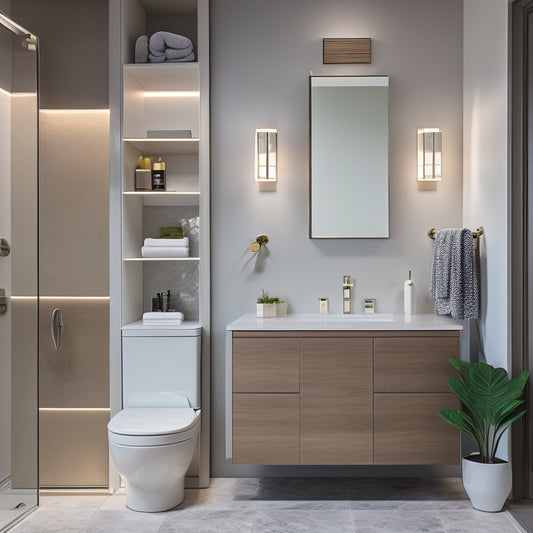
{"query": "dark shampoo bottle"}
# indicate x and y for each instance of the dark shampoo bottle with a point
(158, 176)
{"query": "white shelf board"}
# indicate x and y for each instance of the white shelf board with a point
(164, 7)
(165, 146)
(137, 259)
(167, 198)
(164, 76)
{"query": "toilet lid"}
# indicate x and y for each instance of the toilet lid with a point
(153, 420)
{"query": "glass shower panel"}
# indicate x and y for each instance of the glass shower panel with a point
(18, 272)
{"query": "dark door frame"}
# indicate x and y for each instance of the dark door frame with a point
(520, 352)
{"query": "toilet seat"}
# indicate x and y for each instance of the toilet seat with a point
(153, 426)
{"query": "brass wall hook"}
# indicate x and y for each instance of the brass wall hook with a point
(260, 240)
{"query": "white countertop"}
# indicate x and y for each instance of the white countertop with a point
(366, 322)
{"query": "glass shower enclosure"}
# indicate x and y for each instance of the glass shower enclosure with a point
(19, 289)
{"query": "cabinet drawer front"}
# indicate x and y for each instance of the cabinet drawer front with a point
(336, 401)
(416, 364)
(265, 365)
(409, 431)
(266, 429)
(337, 364)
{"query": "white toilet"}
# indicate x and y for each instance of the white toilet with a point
(153, 439)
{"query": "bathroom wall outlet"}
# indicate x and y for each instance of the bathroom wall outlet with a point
(369, 305)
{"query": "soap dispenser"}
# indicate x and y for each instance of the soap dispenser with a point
(409, 296)
(347, 294)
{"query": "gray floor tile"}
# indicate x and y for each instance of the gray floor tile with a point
(54, 521)
(285, 505)
(402, 489)
(224, 494)
(473, 521)
(302, 505)
(124, 521)
(298, 489)
(406, 505)
(208, 521)
(397, 521)
(73, 502)
(277, 521)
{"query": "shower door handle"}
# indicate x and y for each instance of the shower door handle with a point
(56, 327)
(5, 249)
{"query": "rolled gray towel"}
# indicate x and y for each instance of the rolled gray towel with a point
(190, 57)
(156, 59)
(163, 59)
(161, 40)
(141, 49)
(172, 53)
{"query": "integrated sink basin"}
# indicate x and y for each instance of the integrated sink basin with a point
(362, 317)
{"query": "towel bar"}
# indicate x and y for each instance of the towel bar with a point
(432, 232)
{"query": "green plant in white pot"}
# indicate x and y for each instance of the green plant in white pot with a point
(491, 403)
(270, 306)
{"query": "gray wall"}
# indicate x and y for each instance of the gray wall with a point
(74, 62)
(261, 56)
(486, 104)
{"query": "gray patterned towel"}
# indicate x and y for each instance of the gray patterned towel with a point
(454, 283)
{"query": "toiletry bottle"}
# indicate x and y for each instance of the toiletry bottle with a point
(143, 178)
(158, 176)
(409, 296)
(323, 306)
(347, 294)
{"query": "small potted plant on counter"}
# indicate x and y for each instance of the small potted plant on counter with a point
(491, 402)
(270, 306)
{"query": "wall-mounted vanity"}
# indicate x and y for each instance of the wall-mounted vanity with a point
(323, 391)
(349, 175)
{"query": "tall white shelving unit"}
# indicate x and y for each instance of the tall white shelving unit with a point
(159, 96)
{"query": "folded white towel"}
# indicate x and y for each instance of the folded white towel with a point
(172, 318)
(180, 243)
(164, 251)
(162, 323)
(155, 315)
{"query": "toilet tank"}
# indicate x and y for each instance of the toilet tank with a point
(161, 367)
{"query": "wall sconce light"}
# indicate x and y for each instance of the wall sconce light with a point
(429, 154)
(266, 155)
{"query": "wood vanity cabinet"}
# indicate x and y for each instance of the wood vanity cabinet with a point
(409, 388)
(352, 398)
(265, 401)
(335, 401)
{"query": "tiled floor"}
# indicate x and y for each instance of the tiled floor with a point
(281, 505)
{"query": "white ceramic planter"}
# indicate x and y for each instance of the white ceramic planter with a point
(272, 310)
(266, 310)
(487, 485)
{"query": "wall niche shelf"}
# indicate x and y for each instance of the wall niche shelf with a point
(160, 99)
(161, 259)
(164, 76)
(168, 198)
(165, 146)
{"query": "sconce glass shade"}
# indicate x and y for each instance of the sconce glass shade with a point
(429, 154)
(266, 159)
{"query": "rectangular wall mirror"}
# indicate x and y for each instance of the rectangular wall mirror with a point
(349, 172)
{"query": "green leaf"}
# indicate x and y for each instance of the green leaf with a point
(491, 403)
